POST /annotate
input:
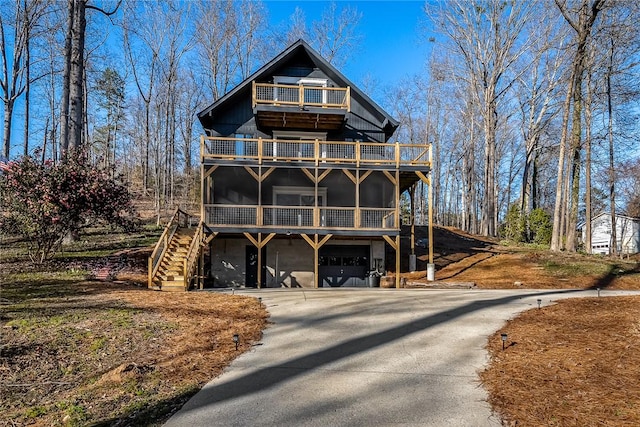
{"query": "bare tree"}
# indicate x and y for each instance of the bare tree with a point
(335, 34)
(13, 68)
(583, 25)
(537, 90)
(488, 36)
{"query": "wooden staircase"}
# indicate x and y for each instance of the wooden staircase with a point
(170, 274)
(174, 260)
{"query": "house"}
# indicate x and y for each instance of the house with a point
(301, 183)
(627, 234)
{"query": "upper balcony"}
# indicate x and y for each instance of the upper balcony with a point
(373, 155)
(281, 106)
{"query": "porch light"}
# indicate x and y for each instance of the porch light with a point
(504, 340)
(236, 339)
(539, 303)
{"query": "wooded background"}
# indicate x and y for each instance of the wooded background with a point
(531, 106)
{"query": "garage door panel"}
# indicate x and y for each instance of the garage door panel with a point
(343, 265)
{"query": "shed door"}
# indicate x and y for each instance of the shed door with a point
(343, 265)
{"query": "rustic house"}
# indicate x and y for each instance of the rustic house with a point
(627, 234)
(301, 184)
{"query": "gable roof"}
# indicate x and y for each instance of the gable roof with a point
(582, 224)
(269, 68)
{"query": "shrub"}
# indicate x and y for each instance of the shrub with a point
(44, 202)
(540, 226)
(514, 225)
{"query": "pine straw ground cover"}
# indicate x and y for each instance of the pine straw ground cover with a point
(574, 363)
(76, 352)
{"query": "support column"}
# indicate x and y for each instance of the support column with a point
(316, 245)
(395, 244)
(412, 257)
(430, 265)
(259, 243)
(398, 261)
(207, 241)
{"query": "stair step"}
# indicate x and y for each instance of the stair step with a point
(170, 274)
(172, 288)
(171, 278)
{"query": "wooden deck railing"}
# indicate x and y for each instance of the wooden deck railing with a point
(268, 216)
(301, 96)
(191, 258)
(178, 219)
(359, 153)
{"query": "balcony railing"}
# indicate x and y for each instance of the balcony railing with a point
(292, 217)
(358, 153)
(301, 96)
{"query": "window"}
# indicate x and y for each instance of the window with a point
(298, 196)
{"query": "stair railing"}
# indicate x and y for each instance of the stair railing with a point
(178, 219)
(191, 258)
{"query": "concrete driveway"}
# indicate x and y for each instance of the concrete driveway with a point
(364, 357)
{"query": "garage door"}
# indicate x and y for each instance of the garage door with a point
(343, 265)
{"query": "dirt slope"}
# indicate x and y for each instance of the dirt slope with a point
(460, 257)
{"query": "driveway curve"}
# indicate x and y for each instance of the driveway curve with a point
(365, 357)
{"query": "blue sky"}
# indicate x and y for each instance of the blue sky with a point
(393, 44)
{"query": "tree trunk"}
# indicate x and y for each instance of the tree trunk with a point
(27, 87)
(612, 173)
(576, 148)
(76, 77)
(8, 113)
(66, 78)
(556, 234)
(587, 166)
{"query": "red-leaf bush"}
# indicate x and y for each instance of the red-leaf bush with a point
(45, 202)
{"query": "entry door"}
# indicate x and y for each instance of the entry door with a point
(251, 279)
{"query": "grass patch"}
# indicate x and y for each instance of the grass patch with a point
(570, 269)
(82, 352)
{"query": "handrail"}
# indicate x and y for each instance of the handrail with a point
(163, 242)
(358, 152)
(192, 254)
(300, 95)
(277, 216)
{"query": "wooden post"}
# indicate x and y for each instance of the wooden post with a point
(259, 243)
(412, 191)
(356, 222)
(315, 263)
(301, 96)
(398, 261)
(430, 208)
(253, 94)
(316, 245)
(201, 266)
(150, 266)
(259, 260)
(398, 222)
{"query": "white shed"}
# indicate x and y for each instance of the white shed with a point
(627, 234)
